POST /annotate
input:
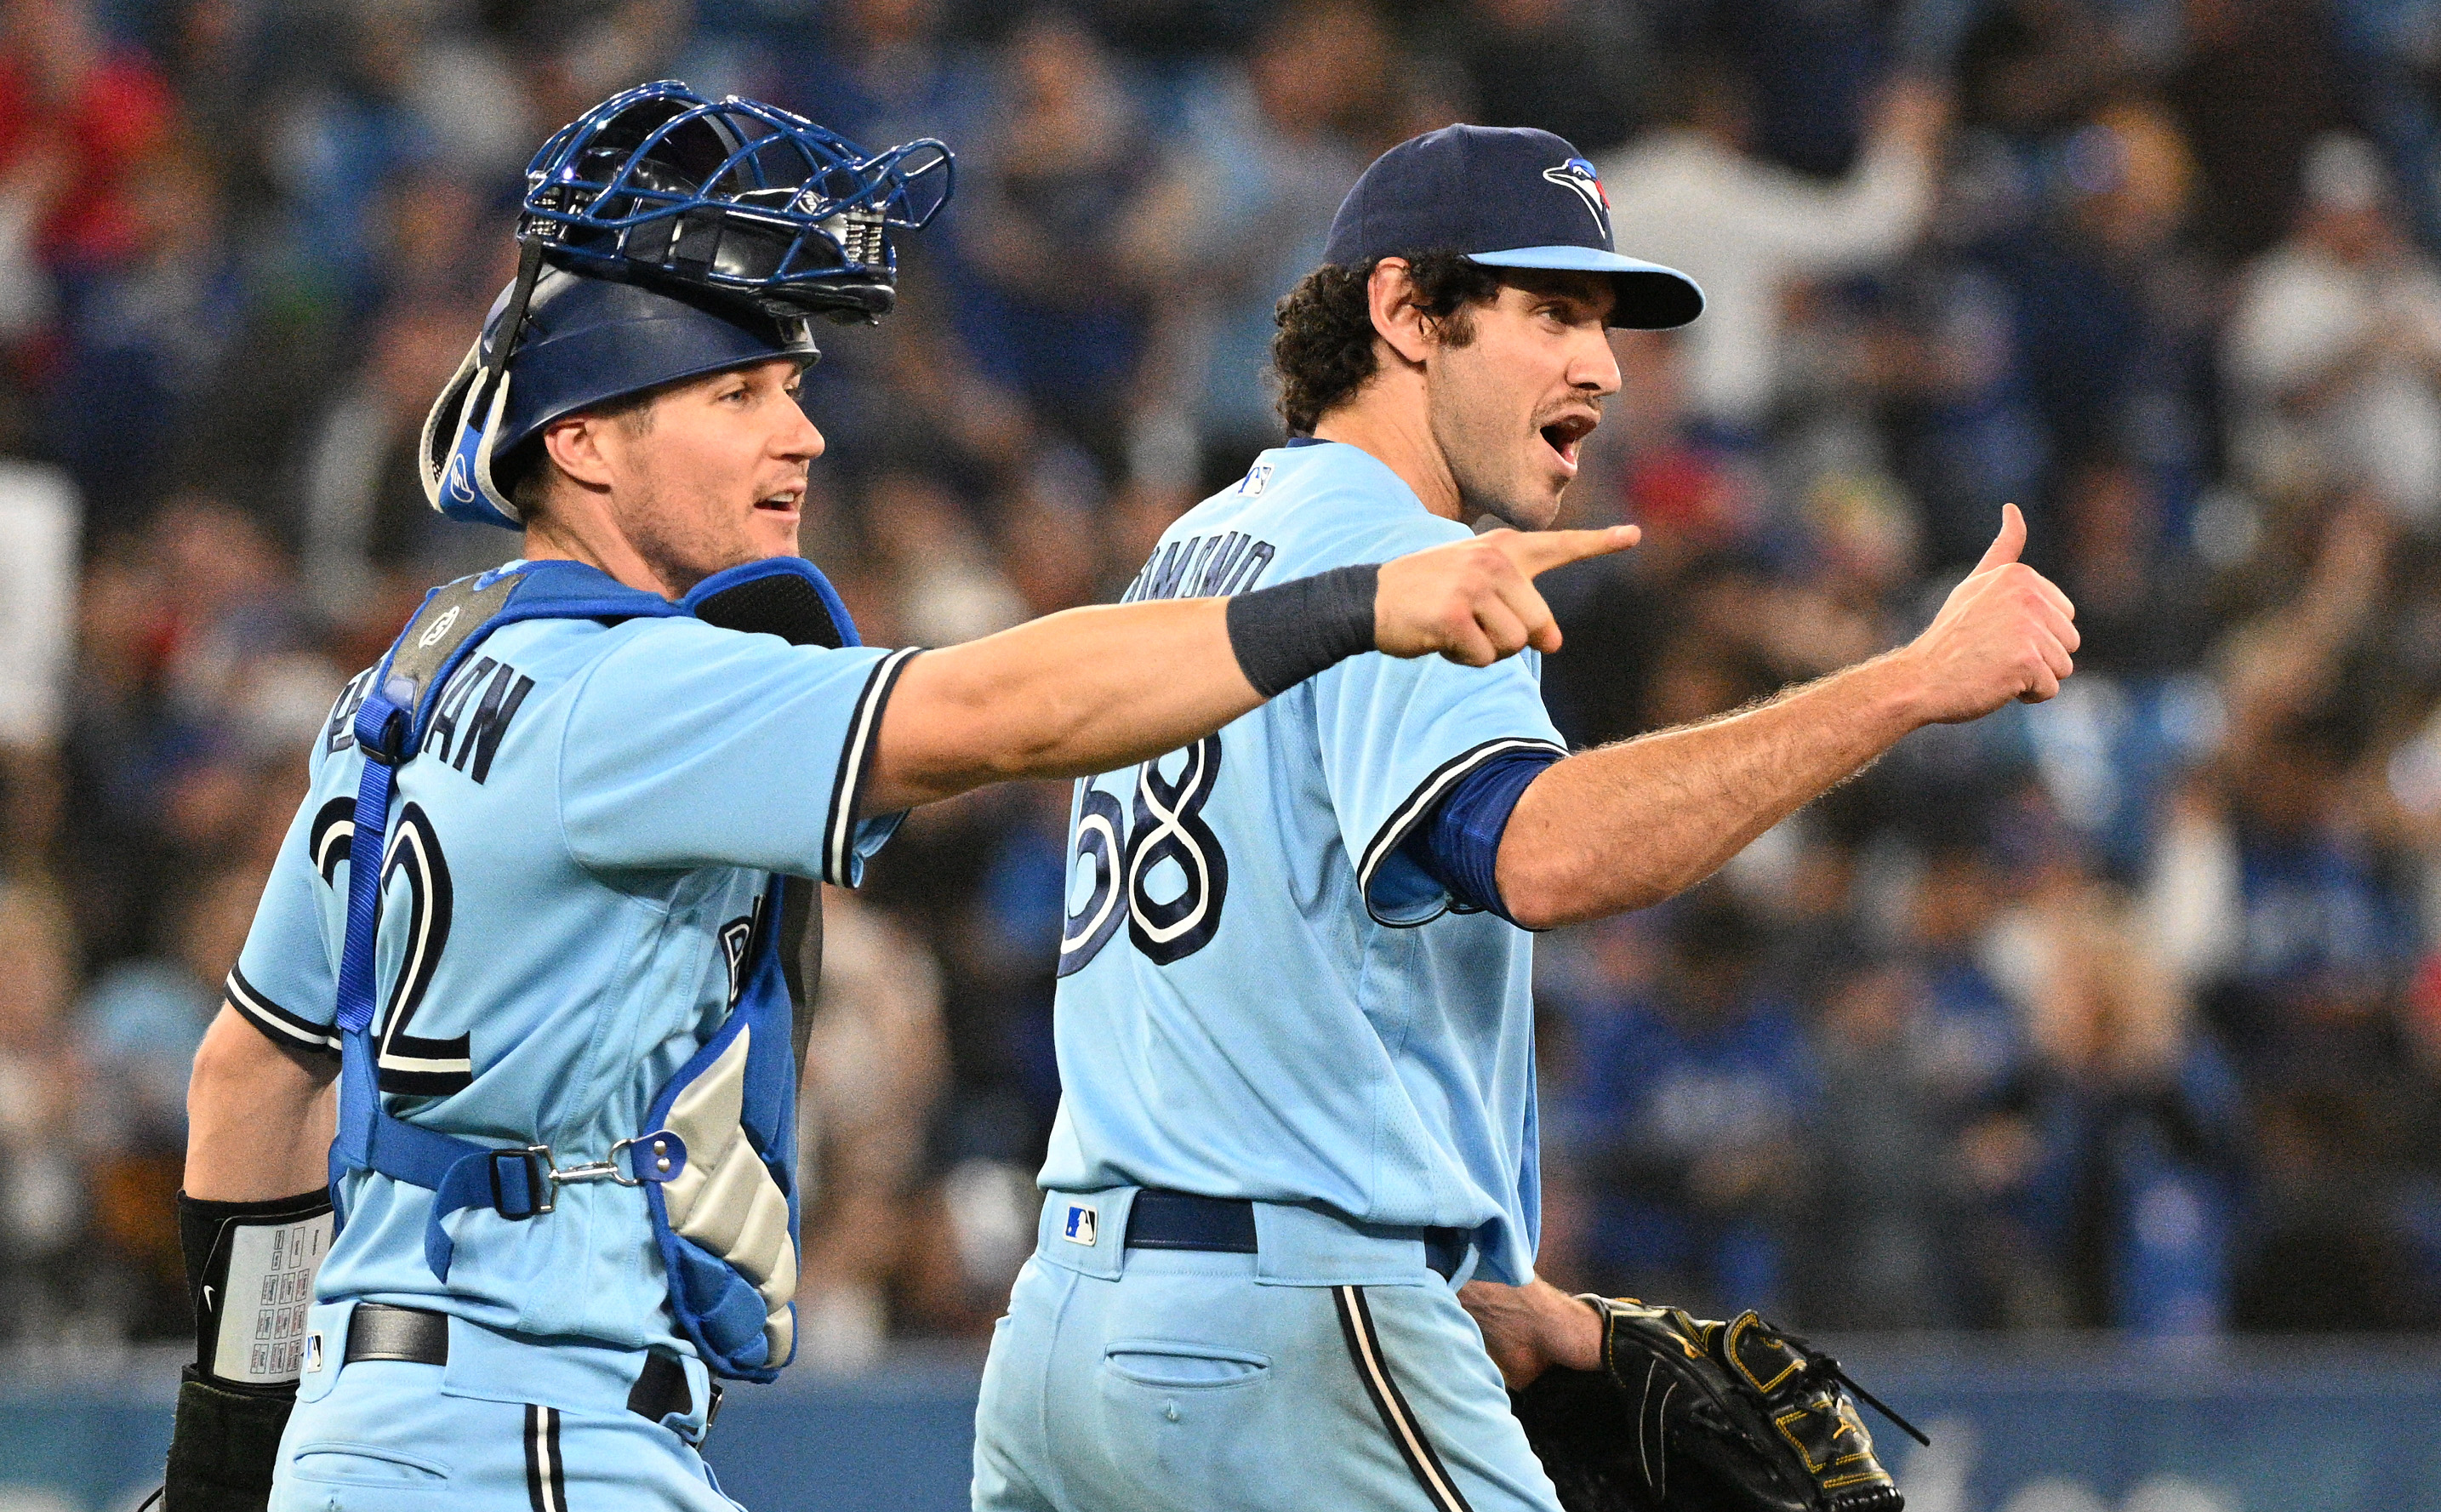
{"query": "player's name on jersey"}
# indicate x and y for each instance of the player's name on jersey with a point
(465, 739)
(1202, 566)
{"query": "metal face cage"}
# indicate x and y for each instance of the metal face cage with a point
(733, 196)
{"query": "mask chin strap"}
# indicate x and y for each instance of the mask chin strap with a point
(513, 320)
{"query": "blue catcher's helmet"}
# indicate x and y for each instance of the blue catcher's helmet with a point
(664, 237)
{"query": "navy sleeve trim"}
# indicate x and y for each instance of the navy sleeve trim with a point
(1418, 807)
(1459, 845)
(856, 767)
(277, 1023)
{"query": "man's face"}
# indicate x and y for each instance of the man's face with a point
(713, 473)
(1510, 407)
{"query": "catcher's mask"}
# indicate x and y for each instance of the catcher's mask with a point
(665, 237)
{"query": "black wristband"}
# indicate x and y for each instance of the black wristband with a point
(1285, 634)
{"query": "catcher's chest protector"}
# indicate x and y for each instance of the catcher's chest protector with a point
(717, 1160)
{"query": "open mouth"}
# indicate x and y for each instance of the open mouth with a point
(782, 502)
(1564, 436)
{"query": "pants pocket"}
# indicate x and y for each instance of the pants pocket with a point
(364, 1465)
(1174, 1424)
(1174, 1364)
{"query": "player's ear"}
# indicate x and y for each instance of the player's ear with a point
(576, 445)
(1390, 293)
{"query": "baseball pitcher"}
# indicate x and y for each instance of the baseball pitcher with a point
(1286, 1256)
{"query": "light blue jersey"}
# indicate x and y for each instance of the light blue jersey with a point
(1259, 995)
(570, 883)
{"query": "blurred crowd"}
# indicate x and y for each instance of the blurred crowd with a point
(2123, 1011)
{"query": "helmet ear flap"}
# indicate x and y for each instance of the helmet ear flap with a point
(431, 452)
(455, 454)
(484, 439)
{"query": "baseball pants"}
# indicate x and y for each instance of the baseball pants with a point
(507, 1424)
(1332, 1369)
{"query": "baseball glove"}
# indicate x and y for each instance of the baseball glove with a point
(1690, 1416)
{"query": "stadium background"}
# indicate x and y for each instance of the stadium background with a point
(2121, 1014)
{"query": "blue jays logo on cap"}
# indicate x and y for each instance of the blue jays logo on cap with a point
(1578, 176)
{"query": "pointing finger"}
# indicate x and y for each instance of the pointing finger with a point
(2006, 545)
(1538, 552)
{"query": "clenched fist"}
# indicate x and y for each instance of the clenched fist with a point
(2005, 632)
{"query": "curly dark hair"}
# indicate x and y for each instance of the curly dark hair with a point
(1324, 350)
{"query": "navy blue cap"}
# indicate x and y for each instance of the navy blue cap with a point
(1506, 197)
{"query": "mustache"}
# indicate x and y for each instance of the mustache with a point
(1572, 405)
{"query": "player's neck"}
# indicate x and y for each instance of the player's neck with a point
(571, 531)
(1389, 420)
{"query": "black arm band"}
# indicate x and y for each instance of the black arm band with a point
(250, 1269)
(1285, 634)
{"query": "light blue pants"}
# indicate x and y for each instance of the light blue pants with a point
(1333, 1370)
(509, 1425)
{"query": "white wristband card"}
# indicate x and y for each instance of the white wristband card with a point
(263, 1294)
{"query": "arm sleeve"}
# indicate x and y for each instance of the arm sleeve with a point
(1397, 738)
(691, 745)
(1458, 845)
(283, 983)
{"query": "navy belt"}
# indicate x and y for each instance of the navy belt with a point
(1162, 1220)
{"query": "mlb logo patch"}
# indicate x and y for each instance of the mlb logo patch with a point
(1079, 1228)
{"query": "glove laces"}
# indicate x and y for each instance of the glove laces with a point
(1822, 1365)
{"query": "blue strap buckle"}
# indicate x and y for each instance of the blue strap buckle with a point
(383, 729)
(530, 1163)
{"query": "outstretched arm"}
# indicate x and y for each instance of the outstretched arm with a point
(1628, 826)
(1089, 690)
